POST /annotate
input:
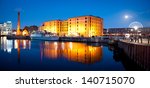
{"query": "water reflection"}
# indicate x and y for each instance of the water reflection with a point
(23, 44)
(47, 55)
(9, 45)
(77, 52)
(6, 45)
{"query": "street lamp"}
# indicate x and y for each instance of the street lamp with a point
(135, 27)
(131, 32)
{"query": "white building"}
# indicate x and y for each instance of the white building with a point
(5, 28)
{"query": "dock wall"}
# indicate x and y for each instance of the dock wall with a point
(139, 53)
(83, 39)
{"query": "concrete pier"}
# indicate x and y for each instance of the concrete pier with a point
(84, 39)
(139, 53)
(13, 37)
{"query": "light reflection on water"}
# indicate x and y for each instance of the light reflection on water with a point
(48, 55)
(8, 45)
(77, 52)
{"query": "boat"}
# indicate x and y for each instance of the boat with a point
(42, 36)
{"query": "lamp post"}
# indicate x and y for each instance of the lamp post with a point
(135, 33)
(131, 32)
(131, 35)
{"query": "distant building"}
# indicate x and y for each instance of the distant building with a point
(123, 31)
(25, 32)
(33, 28)
(30, 29)
(119, 31)
(5, 28)
(105, 31)
(85, 26)
(145, 31)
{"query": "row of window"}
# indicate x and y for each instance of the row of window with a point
(85, 19)
(77, 23)
(78, 19)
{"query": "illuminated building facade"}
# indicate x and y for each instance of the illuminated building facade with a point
(52, 26)
(85, 26)
(25, 32)
(82, 26)
(5, 28)
(64, 28)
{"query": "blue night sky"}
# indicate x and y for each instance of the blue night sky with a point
(35, 12)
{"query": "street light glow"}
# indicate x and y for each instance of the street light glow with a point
(135, 27)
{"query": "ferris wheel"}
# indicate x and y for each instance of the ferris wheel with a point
(136, 25)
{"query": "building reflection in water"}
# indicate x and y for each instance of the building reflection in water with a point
(21, 44)
(77, 52)
(9, 45)
(6, 45)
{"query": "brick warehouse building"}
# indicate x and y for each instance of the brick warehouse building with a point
(85, 26)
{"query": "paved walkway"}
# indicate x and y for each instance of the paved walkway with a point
(144, 41)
